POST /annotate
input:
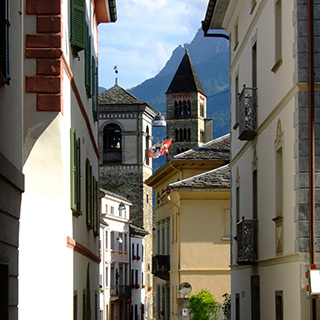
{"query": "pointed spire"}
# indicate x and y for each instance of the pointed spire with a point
(186, 78)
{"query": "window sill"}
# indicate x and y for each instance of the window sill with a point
(277, 66)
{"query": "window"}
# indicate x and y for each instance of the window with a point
(279, 305)
(106, 209)
(120, 242)
(78, 25)
(107, 240)
(142, 253)
(112, 241)
(236, 100)
(201, 109)
(255, 297)
(278, 36)
(87, 62)
(112, 210)
(125, 275)
(147, 146)
(4, 39)
(254, 65)
(112, 143)
(201, 136)
(238, 203)
(75, 305)
(94, 74)
(279, 182)
(158, 302)
(237, 306)
(125, 242)
(162, 240)
(75, 173)
(158, 241)
(168, 238)
(4, 291)
(138, 257)
(107, 277)
(254, 195)
(112, 276)
(133, 255)
(121, 267)
(137, 278)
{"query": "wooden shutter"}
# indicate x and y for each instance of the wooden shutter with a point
(78, 23)
(4, 40)
(88, 61)
(94, 88)
(78, 163)
(88, 193)
(73, 182)
(96, 209)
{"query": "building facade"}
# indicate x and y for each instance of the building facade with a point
(115, 284)
(126, 134)
(59, 225)
(187, 109)
(11, 152)
(271, 95)
(192, 234)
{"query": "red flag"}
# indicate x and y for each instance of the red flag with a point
(159, 148)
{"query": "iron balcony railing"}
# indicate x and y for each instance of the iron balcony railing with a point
(161, 266)
(247, 238)
(123, 291)
(248, 114)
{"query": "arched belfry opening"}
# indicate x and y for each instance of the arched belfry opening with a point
(112, 143)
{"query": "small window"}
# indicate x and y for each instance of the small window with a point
(120, 242)
(107, 240)
(112, 276)
(279, 305)
(112, 210)
(106, 209)
(125, 242)
(112, 241)
(4, 39)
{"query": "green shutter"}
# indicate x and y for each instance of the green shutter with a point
(88, 61)
(4, 40)
(88, 194)
(78, 25)
(95, 217)
(91, 198)
(94, 88)
(78, 175)
(73, 181)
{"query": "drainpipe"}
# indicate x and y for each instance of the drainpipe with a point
(313, 311)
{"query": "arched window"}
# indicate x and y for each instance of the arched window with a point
(112, 143)
(188, 108)
(184, 108)
(180, 108)
(176, 111)
(176, 134)
(184, 134)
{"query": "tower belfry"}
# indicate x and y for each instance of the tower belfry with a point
(187, 109)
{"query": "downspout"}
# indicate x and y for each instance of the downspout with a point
(313, 310)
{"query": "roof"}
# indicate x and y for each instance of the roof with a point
(215, 14)
(217, 149)
(217, 178)
(114, 195)
(136, 230)
(186, 78)
(117, 95)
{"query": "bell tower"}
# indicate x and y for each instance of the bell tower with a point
(187, 110)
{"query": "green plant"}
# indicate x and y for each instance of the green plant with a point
(203, 306)
(226, 306)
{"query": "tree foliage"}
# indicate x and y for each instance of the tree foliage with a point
(203, 306)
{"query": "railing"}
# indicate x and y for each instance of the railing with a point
(161, 266)
(248, 114)
(122, 291)
(247, 238)
(112, 156)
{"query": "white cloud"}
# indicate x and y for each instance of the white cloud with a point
(143, 38)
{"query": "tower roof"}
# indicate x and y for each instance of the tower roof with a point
(186, 78)
(117, 95)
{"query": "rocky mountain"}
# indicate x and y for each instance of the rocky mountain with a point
(210, 57)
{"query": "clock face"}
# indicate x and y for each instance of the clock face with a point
(185, 288)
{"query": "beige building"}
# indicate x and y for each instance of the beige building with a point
(191, 237)
(270, 206)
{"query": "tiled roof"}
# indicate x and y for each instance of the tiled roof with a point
(217, 178)
(186, 78)
(117, 95)
(217, 149)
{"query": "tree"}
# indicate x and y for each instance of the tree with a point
(226, 306)
(203, 306)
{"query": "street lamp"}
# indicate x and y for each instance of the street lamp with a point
(159, 121)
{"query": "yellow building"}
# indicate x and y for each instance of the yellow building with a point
(191, 234)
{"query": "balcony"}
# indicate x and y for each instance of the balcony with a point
(248, 114)
(122, 292)
(247, 238)
(161, 266)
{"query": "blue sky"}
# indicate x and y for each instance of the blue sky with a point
(144, 36)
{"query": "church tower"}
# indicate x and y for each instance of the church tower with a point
(125, 133)
(187, 110)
